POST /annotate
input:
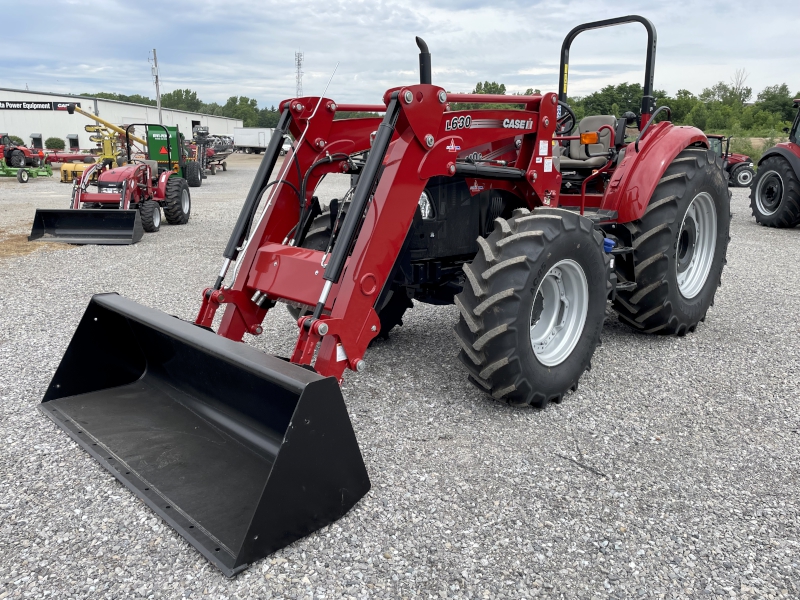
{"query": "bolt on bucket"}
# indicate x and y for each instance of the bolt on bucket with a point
(87, 226)
(242, 453)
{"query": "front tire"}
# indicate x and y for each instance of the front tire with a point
(178, 201)
(775, 194)
(194, 176)
(743, 176)
(533, 306)
(679, 247)
(150, 212)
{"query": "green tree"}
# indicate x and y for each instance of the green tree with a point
(268, 117)
(182, 100)
(777, 100)
(242, 107)
(54, 143)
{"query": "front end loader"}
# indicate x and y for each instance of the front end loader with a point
(527, 220)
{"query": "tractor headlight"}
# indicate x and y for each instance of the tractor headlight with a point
(426, 205)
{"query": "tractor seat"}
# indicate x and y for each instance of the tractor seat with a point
(576, 157)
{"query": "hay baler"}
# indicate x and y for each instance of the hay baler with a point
(527, 220)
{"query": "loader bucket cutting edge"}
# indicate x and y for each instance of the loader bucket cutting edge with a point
(87, 226)
(242, 453)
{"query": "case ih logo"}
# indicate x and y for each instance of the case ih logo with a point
(451, 147)
(22, 105)
(518, 123)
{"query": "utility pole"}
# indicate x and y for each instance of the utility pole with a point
(154, 71)
(298, 63)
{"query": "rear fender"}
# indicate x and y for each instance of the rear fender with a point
(636, 177)
(789, 152)
(160, 192)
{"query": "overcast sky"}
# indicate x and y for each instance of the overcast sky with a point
(221, 49)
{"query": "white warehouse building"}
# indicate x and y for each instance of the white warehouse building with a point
(36, 116)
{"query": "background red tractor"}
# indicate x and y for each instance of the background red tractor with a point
(116, 205)
(775, 193)
(739, 166)
(18, 155)
(525, 219)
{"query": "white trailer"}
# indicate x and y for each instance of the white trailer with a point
(251, 139)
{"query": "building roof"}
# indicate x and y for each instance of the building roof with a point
(93, 99)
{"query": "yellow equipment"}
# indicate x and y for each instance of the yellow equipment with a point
(107, 134)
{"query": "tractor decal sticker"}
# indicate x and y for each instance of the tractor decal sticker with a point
(486, 124)
(518, 123)
(475, 188)
(455, 123)
(452, 146)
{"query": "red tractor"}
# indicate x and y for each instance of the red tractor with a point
(17, 155)
(739, 166)
(526, 219)
(775, 193)
(116, 205)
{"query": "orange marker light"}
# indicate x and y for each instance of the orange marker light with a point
(590, 138)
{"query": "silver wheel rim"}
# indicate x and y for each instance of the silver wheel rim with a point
(559, 313)
(157, 216)
(744, 177)
(769, 193)
(696, 245)
(185, 201)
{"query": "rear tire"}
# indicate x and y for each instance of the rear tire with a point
(150, 212)
(775, 194)
(679, 247)
(178, 201)
(533, 306)
(224, 166)
(16, 159)
(193, 175)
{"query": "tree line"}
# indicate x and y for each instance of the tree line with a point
(726, 107)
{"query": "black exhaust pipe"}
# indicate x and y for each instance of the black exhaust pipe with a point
(424, 62)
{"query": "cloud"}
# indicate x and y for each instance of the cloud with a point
(223, 49)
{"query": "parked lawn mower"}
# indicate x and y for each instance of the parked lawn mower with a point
(117, 205)
(739, 166)
(775, 193)
(243, 452)
(17, 155)
(23, 174)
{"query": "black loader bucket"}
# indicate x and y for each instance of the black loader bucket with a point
(242, 453)
(87, 226)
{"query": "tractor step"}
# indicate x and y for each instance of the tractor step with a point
(87, 226)
(595, 216)
(240, 452)
(626, 286)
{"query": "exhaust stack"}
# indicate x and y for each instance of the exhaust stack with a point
(424, 62)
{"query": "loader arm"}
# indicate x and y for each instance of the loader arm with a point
(417, 139)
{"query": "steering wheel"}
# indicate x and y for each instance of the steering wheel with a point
(567, 121)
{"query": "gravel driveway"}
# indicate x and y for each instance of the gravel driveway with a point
(671, 472)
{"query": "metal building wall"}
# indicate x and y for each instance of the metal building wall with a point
(59, 123)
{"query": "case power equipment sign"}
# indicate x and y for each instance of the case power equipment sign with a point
(25, 105)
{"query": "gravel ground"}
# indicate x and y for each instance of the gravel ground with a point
(671, 472)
